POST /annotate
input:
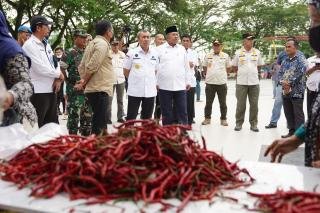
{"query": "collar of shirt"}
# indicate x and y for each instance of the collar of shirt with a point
(34, 38)
(167, 45)
(142, 51)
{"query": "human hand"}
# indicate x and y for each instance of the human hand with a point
(280, 147)
(316, 164)
(79, 85)
(8, 101)
(56, 85)
(188, 87)
(191, 64)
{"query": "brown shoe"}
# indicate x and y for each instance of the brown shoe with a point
(206, 121)
(224, 122)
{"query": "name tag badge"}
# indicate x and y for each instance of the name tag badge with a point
(137, 66)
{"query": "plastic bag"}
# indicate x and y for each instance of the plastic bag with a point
(14, 138)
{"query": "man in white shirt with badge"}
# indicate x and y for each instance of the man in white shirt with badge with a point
(247, 63)
(46, 79)
(119, 84)
(140, 68)
(173, 79)
(216, 66)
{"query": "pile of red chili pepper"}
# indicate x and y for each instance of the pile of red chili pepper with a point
(292, 201)
(141, 161)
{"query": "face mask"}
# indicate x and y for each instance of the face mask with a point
(314, 38)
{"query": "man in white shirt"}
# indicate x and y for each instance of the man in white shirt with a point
(119, 84)
(247, 63)
(192, 58)
(140, 68)
(158, 40)
(46, 79)
(313, 80)
(173, 79)
(216, 66)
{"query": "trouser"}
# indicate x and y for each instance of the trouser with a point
(211, 90)
(147, 105)
(198, 90)
(274, 88)
(190, 104)
(119, 89)
(98, 102)
(60, 99)
(277, 106)
(46, 107)
(242, 92)
(168, 99)
(157, 110)
(293, 110)
(311, 97)
(79, 110)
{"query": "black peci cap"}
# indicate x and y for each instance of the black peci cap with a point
(247, 36)
(171, 29)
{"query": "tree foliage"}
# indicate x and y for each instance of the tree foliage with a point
(202, 19)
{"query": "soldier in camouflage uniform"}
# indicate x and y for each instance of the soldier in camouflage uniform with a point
(77, 102)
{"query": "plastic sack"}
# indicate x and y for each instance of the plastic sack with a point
(14, 138)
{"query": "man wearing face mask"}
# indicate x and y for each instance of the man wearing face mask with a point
(247, 63)
(24, 33)
(140, 68)
(45, 78)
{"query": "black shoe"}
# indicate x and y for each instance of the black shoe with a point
(109, 122)
(254, 129)
(237, 128)
(121, 120)
(271, 125)
(287, 135)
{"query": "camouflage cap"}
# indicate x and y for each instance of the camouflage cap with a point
(80, 32)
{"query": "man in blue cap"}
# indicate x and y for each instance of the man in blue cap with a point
(24, 33)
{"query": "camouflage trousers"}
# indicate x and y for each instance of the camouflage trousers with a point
(79, 110)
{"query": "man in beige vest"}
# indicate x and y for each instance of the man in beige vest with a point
(97, 76)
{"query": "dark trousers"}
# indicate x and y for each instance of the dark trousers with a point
(311, 97)
(157, 110)
(46, 107)
(190, 104)
(211, 90)
(293, 110)
(98, 102)
(60, 99)
(147, 105)
(179, 100)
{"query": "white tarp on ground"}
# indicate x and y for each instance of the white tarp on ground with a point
(14, 138)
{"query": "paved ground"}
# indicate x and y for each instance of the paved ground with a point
(244, 145)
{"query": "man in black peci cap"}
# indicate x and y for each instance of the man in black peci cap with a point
(173, 79)
(216, 66)
(45, 77)
(247, 62)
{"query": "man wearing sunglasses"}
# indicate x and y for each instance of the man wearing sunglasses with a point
(24, 33)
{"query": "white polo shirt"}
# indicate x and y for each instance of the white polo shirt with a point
(42, 71)
(173, 69)
(117, 64)
(247, 63)
(192, 56)
(142, 76)
(313, 80)
(217, 65)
